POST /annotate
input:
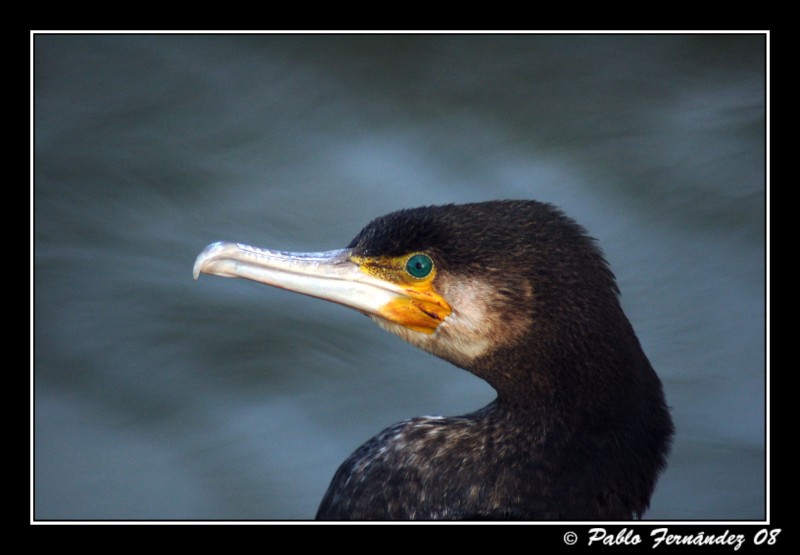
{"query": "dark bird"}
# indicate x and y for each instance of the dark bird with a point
(516, 293)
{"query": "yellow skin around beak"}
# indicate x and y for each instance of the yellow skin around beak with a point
(379, 287)
(421, 308)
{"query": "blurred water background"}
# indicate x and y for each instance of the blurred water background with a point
(158, 397)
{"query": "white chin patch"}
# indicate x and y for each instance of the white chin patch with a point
(447, 342)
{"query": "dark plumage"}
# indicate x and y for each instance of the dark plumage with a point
(579, 430)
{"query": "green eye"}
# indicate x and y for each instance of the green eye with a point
(419, 265)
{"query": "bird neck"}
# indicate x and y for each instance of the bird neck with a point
(567, 379)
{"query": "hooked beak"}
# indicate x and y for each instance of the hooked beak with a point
(332, 276)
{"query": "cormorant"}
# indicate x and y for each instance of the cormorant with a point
(518, 294)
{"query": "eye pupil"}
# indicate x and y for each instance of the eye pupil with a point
(419, 265)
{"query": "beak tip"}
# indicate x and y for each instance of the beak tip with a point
(203, 257)
(197, 266)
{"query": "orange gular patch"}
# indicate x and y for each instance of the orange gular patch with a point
(418, 306)
(416, 314)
